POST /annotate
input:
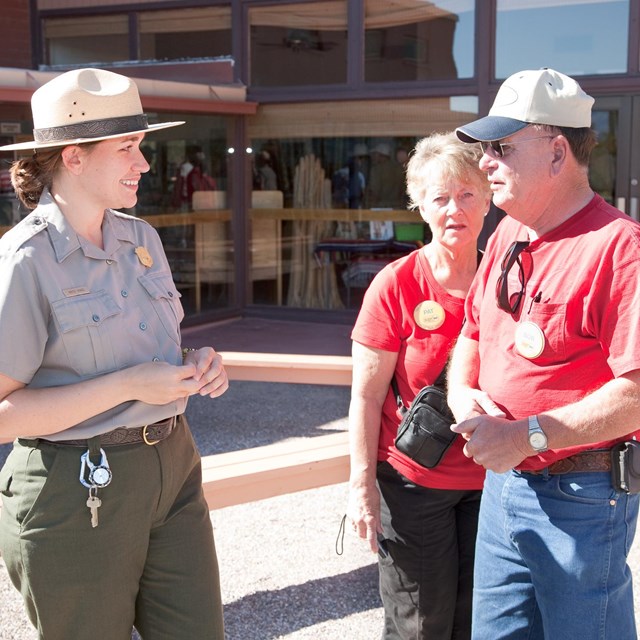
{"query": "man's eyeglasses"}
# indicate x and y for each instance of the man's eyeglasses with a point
(506, 302)
(499, 148)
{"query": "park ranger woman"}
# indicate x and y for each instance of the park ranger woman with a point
(104, 525)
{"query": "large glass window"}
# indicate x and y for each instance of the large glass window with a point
(87, 39)
(416, 40)
(329, 197)
(577, 37)
(185, 33)
(162, 35)
(185, 196)
(299, 44)
(603, 163)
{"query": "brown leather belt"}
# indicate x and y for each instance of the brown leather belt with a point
(593, 460)
(149, 434)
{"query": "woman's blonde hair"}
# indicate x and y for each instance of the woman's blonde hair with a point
(458, 159)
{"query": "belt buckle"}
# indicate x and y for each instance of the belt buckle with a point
(151, 443)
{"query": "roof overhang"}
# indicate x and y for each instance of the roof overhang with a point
(17, 86)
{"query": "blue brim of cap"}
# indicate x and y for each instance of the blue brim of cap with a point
(489, 128)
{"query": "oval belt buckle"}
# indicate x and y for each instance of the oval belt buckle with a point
(151, 443)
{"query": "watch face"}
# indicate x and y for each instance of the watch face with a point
(100, 476)
(538, 440)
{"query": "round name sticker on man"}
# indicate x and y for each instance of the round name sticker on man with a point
(529, 340)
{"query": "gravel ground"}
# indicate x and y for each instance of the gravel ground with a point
(281, 577)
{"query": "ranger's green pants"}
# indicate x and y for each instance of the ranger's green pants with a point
(150, 562)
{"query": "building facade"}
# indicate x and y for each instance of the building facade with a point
(284, 193)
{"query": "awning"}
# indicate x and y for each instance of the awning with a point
(17, 86)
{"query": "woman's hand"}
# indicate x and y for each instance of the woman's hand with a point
(372, 372)
(38, 412)
(209, 371)
(363, 513)
(161, 382)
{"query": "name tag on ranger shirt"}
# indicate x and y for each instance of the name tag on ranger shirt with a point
(76, 291)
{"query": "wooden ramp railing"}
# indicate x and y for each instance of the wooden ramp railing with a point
(253, 474)
(289, 367)
(276, 469)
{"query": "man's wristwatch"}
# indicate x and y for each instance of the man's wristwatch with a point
(537, 437)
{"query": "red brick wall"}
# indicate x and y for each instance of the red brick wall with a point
(15, 35)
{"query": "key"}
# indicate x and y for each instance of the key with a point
(93, 503)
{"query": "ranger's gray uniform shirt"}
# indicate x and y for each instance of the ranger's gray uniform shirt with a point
(70, 311)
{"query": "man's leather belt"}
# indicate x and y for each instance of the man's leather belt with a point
(149, 434)
(593, 460)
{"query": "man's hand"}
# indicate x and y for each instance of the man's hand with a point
(466, 403)
(495, 443)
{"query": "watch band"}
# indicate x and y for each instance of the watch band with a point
(537, 437)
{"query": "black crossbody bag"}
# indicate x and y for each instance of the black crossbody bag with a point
(424, 434)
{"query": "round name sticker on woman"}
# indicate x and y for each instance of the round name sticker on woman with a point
(529, 340)
(429, 315)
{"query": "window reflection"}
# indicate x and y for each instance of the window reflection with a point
(576, 36)
(87, 39)
(185, 33)
(417, 40)
(184, 196)
(604, 158)
(299, 44)
(339, 212)
(162, 35)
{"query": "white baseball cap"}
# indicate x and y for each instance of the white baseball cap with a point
(383, 149)
(544, 96)
(360, 149)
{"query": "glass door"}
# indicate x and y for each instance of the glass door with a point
(614, 170)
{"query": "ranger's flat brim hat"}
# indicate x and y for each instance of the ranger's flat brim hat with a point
(86, 105)
(544, 96)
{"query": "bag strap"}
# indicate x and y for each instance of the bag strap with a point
(440, 381)
(396, 393)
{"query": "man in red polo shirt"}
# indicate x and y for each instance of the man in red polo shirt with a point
(553, 339)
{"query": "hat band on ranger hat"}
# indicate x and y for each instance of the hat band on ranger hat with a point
(92, 129)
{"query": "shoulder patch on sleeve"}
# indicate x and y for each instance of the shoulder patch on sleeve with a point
(22, 232)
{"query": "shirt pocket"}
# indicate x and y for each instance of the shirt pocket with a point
(165, 300)
(552, 320)
(88, 328)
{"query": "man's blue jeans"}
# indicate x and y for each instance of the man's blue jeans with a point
(551, 558)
